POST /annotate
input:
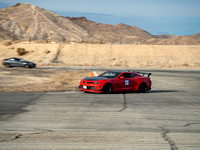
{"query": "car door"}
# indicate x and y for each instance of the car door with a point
(128, 82)
(124, 82)
(118, 84)
(18, 62)
(133, 82)
(13, 62)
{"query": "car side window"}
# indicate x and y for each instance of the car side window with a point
(126, 75)
(133, 75)
(17, 59)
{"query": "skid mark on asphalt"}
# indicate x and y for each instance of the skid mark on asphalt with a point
(124, 103)
(189, 124)
(21, 135)
(15, 138)
(168, 139)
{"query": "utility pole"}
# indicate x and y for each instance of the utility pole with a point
(101, 41)
(29, 39)
(13, 35)
(120, 40)
(82, 39)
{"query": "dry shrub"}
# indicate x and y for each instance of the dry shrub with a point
(93, 42)
(7, 43)
(21, 51)
(47, 51)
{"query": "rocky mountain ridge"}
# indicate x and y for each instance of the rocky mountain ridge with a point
(120, 33)
(123, 33)
(29, 22)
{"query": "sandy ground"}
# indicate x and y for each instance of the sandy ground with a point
(135, 56)
(36, 80)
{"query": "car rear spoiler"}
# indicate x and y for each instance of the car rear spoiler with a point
(143, 73)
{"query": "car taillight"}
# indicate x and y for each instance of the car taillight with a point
(3, 60)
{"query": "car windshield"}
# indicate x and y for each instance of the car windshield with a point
(16, 59)
(110, 74)
(21, 59)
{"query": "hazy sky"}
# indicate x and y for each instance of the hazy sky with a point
(156, 16)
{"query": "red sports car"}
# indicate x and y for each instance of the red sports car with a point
(117, 81)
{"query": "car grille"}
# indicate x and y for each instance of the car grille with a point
(87, 82)
(89, 87)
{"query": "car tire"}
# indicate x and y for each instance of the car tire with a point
(107, 89)
(142, 88)
(7, 65)
(26, 66)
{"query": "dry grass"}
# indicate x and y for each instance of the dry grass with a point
(7, 43)
(34, 80)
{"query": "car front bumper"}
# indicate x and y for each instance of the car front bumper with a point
(32, 65)
(94, 88)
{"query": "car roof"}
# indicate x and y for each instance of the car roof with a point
(121, 71)
(130, 71)
(15, 58)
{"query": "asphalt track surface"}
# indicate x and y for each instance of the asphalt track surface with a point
(167, 117)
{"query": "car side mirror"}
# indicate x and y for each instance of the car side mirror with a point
(122, 77)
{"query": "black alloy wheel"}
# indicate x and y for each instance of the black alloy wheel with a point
(26, 66)
(107, 89)
(7, 65)
(142, 88)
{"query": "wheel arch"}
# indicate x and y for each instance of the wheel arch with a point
(106, 84)
(26, 65)
(141, 86)
(7, 65)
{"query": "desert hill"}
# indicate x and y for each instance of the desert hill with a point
(120, 33)
(5, 34)
(197, 35)
(29, 22)
(126, 34)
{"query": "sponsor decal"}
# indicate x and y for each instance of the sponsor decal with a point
(126, 82)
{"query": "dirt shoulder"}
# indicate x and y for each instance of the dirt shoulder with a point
(39, 80)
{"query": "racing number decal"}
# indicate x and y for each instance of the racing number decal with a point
(126, 82)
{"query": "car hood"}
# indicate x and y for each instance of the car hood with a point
(95, 78)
